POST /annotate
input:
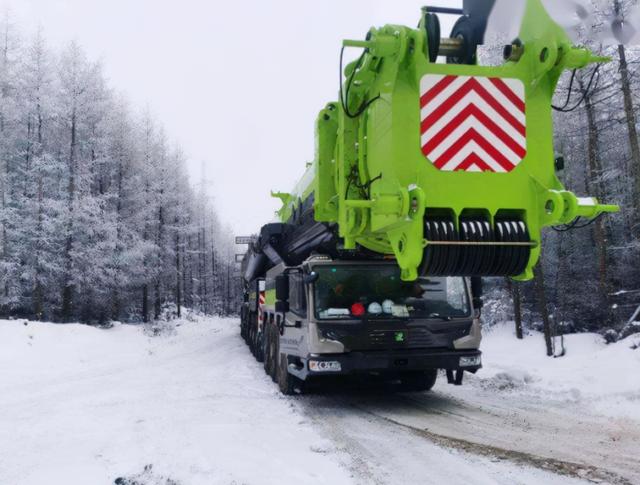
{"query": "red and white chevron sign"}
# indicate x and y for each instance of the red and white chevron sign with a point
(261, 301)
(473, 124)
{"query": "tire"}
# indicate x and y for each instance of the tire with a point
(419, 381)
(244, 326)
(287, 383)
(254, 341)
(251, 342)
(274, 352)
(267, 347)
(260, 347)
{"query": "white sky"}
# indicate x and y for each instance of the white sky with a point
(237, 84)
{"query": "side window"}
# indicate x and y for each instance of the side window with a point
(297, 297)
(457, 294)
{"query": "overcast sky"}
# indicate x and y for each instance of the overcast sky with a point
(237, 84)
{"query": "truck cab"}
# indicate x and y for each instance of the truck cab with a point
(337, 317)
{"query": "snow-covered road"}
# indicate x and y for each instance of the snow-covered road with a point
(80, 405)
(578, 415)
(544, 434)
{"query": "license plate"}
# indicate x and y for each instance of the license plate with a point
(324, 366)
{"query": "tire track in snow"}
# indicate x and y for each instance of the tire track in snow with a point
(541, 427)
(381, 451)
(575, 470)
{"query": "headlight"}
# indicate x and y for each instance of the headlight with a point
(474, 361)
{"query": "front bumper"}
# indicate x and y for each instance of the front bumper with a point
(384, 362)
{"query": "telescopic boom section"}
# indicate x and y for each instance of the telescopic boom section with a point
(447, 167)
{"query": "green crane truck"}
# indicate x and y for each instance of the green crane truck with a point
(427, 177)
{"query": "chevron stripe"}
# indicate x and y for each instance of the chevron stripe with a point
(474, 124)
(475, 151)
(472, 116)
(473, 136)
(474, 163)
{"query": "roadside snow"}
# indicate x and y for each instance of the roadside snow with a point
(604, 377)
(81, 405)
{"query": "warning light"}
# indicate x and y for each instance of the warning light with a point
(357, 309)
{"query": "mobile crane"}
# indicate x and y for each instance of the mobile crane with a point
(427, 177)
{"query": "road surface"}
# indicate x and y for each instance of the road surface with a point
(189, 405)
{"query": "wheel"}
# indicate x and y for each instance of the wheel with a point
(254, 341)
(419, 381)
(260, 347)
(244, 325)
(287, 383)
(274, 351)
(267, 349)
(251, 340)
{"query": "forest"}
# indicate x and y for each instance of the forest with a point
(589, 278)
(98, 218)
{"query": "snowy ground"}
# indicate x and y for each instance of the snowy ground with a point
(604, 378)
(579, 414)
(80, 405)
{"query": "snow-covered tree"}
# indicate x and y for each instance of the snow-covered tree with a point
(98, 219)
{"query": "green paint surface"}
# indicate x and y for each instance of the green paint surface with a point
(385, 141)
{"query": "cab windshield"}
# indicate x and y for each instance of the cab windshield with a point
(376, 291)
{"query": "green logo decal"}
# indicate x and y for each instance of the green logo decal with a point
(399, 336)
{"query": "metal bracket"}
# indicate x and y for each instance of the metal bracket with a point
(443, 10)
(457, 379)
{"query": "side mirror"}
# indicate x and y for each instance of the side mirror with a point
(282, 288)
(476, 292)
(282, 306)
(311, 278)
(476, 287)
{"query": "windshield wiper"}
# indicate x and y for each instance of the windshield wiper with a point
(446, 318)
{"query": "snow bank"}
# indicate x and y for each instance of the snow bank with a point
(82, 405)
(606, 377)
